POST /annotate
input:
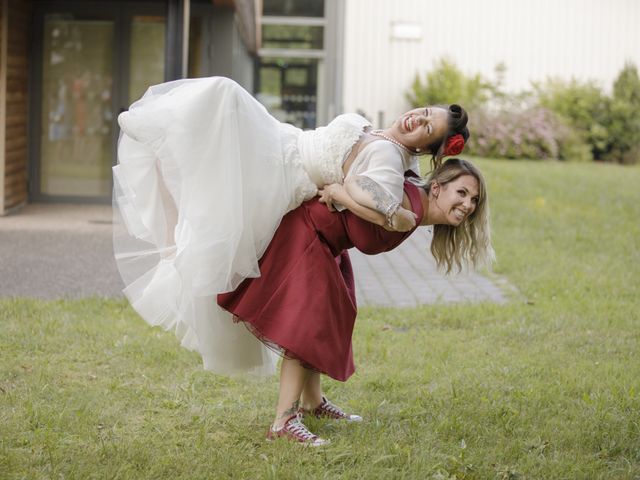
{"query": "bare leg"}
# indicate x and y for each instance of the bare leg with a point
(312, 398)
(312, 391)
(292, 379)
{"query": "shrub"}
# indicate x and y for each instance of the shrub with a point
(534, 133)
(572, 145)
(624, 118)
(582, 106)
(502, 125)
(567, 120)
(447, 84)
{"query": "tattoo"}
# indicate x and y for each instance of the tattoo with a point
(382, 199)
(294, 408)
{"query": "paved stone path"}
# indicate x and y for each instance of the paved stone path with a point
(65, 251)
(407, 276)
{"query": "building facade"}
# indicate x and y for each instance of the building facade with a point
(67, 68)
(388, 43)
(70, 67)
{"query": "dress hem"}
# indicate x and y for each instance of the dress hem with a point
(280, 350)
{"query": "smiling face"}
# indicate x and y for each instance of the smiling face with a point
(455, 201)
(421, 127)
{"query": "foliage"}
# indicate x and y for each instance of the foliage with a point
(534, 133)
(610, 125)
(526, 134)
(583, 106)
(566, 120)
(446, 84)
(624, 119)
(546, 386)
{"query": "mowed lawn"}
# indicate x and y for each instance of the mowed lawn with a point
(546, 386)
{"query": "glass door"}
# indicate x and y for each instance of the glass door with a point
(76, 117)
(92, 62)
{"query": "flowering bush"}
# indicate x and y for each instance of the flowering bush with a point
(527, 134)
(533, 133)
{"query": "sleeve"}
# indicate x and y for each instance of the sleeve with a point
(383, 164)
(371, 239)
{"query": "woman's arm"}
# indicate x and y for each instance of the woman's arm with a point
(337, 193)
(370, 194)
(366, 199)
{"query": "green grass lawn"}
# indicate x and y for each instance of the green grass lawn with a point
(544, 387)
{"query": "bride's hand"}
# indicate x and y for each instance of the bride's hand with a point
(329, 193)
(403, 220)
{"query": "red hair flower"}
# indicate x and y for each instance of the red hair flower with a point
(454, 145)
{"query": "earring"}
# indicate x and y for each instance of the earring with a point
(418, 150)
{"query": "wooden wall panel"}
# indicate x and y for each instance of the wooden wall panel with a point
(4, 6)
(16, 104)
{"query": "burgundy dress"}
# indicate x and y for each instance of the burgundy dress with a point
(304, 301)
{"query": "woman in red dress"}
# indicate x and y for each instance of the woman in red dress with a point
(303, 304)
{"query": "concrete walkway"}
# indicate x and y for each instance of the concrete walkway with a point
(407, 276)
(64, 251)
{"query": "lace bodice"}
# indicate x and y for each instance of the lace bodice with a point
(323, 150)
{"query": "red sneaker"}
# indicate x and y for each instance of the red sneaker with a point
(328, 410)
(295, 430)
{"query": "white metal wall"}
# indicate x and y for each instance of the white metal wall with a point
(585, 39)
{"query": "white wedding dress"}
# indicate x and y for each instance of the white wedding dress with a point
(204, 176)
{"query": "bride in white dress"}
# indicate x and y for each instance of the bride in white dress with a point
(204, 176)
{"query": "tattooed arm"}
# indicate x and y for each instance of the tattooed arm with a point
(369, 194)
(336, 193)
(368, 200)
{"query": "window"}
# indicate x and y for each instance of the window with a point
(291, 60)
(295, 8)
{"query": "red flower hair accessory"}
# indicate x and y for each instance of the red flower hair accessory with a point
(454, 145)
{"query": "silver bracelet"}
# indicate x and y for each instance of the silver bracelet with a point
(391, 211)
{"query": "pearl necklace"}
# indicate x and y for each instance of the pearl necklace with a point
(380, 133)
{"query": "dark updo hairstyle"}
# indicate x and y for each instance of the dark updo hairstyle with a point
(458, 118)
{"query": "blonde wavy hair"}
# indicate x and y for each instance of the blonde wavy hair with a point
(469, 244)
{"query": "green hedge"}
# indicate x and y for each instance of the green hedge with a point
(558, 119)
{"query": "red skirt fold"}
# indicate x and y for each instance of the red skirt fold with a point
(304, 300)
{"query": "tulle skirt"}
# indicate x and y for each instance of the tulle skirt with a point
(204, 177)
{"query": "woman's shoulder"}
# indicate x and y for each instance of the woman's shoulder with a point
(379, 148)
(380, 145)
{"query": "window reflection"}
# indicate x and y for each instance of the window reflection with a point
(288, 88)
(297, 8)
(77, 116)
(292, 36)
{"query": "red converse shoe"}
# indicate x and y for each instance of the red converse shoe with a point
(328, 410)
(295, 430)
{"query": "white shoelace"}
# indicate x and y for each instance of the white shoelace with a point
(299, 429)
(334, 410)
